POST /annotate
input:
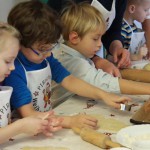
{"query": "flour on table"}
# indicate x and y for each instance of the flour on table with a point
(109, 123)
(44, 148)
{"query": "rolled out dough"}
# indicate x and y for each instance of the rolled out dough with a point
(109, 123)
(44, 148)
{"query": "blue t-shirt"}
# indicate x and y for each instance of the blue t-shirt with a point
(21, 94)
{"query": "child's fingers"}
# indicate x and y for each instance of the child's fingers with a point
(47, 133)
(116, 105)
(88, 126)
(91, 123)
(44, 122)
(125, 99)
(54, 129)
(55, 121)
(51, 113)
(46, 115)
(122, 100)
(91, 119)
(87, 120)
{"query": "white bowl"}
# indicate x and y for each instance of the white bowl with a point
(141, 145)
(128, 135)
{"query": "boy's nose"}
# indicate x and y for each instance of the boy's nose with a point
(99, 43)
(148, 13)
(12, 68)
(47, 54)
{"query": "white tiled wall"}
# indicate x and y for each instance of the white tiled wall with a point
(5, 7)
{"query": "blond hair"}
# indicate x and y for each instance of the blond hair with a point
(81, 18)
(9, 30)
(4, 27)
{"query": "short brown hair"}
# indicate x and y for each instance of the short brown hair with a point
(81, 18)
(36, 23)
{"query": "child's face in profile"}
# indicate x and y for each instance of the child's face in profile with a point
(90, 43)
(9, 47)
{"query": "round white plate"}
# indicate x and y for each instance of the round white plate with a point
(129, 135)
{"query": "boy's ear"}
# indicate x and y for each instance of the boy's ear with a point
(74, 38)
(132, 9)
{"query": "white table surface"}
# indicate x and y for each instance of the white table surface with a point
(66, 137)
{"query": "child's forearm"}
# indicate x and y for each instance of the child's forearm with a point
(11, 130)
(133, 87)
(28, 110)
(82, 88)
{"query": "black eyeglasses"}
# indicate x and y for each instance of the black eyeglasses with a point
(40, 53)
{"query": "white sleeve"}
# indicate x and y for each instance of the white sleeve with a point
(83, 70)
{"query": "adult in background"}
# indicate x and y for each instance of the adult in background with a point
(146, 28)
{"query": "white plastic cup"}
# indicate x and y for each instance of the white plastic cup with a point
(141, 145)
(5, 113)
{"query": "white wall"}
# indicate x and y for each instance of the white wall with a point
(5, 7)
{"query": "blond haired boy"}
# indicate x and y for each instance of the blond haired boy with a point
(83, 27)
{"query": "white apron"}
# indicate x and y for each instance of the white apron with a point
(137, 40)
(109, 17)
(5, 113)
(39, 83)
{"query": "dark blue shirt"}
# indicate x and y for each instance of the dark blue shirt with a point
(21, 94)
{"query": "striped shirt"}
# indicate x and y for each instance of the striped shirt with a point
(126, 32)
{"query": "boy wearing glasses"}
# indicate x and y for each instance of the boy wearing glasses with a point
(36, 66)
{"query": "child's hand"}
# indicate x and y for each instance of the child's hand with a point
(54, 123)
(143, 50)
(32, 125)
(80, 121)
(115, 100)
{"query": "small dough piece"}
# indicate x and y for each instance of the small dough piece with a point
(147, 67)
(109, 123)
(44, 148)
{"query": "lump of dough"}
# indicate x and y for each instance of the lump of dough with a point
(147, 67)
